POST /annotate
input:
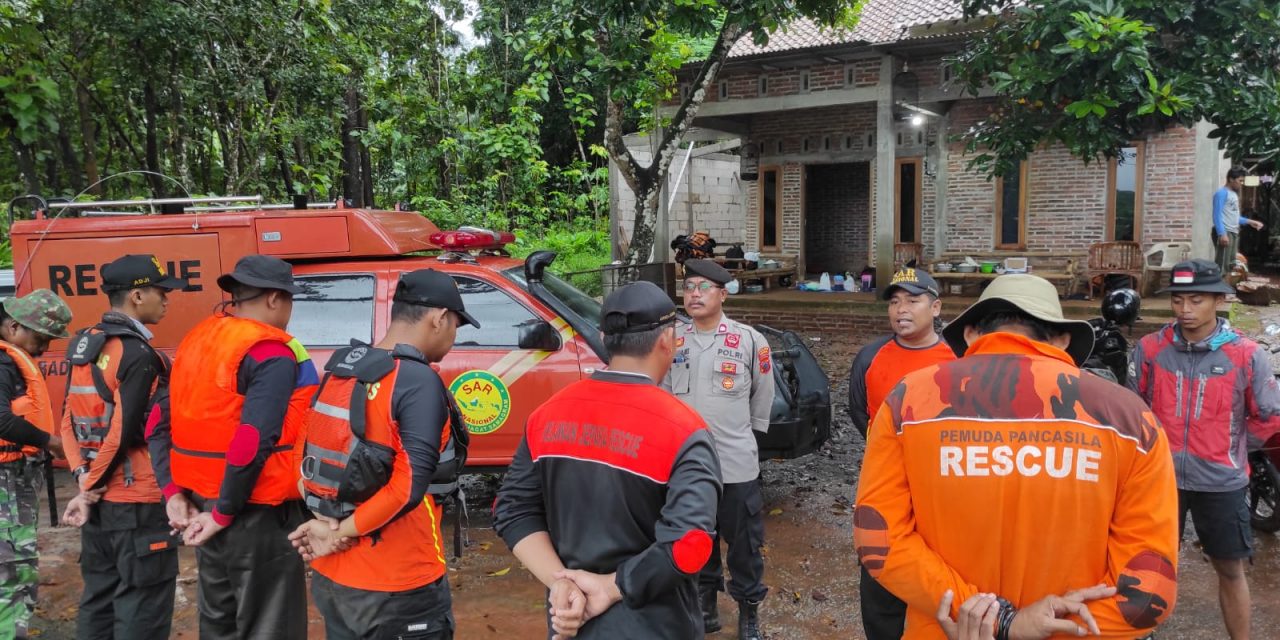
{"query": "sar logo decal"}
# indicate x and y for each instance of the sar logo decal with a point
(483, 400)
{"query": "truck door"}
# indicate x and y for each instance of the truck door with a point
(496, 382)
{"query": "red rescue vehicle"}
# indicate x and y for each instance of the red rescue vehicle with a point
(538, 333)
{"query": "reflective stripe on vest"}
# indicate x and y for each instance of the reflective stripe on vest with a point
(34, 406)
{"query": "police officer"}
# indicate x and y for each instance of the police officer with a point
(128, 559)
(239, 392)
(610, 499)
(27, 325)
(723, 370)
(375, 546)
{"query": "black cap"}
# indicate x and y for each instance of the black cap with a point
(708, 269)
(136, 271)
(1197, 276)
(913, 281)
(639, 306)
(431, 288)
(263, 272)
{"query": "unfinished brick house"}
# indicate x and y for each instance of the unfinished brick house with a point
(847, 151)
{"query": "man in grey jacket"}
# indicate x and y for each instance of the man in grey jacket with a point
(1212, 390)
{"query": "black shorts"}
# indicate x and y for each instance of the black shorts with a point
(1222, 522)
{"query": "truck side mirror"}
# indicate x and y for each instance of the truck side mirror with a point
(538, 335)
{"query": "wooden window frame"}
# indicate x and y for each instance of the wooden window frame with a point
(1138, 185)
(897, 198)
(1022, 205)
(777, 212)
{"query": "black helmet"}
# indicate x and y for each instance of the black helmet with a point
(1121, 306)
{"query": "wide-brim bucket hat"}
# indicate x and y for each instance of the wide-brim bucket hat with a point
(1031, 295)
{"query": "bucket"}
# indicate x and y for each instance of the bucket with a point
(989, 267)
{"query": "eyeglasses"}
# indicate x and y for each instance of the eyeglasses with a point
(703, 286)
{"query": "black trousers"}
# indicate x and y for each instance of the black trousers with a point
(253, 583)
(425, 613)
(883, 615)
(129, 564)
(740, 523)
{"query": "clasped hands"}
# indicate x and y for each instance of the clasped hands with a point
(578, 596)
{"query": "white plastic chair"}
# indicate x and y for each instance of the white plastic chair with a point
(1170, 253)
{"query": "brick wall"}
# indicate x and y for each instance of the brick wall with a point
(791, 128)
(1168, 198)
(805, 321)
(1066, 201)
(837, 217)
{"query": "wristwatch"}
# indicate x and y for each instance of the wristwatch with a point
(79, 471)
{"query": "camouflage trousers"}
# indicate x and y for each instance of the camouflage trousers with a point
(20, 484)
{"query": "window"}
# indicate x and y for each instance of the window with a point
(499, 315)
(763, 85)
(826, 143)
(779, 148)
(907, 195)
(770, 208)
(724, 89)
(804, 81)
(848, 142)
(333, 309)
(1124, 195)
(947, 73)
(1011, 208)
(871, 140)
(849, 75)
(804, 144)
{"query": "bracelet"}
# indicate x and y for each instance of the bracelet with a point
(1005, 620)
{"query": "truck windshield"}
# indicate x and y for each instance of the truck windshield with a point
(581, 303)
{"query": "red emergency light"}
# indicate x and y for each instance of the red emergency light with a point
(471, 238)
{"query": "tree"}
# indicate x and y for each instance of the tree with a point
(1095, 74)
(634, 49)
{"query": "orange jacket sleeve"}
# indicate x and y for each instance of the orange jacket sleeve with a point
(1142, 547)
(884, 530)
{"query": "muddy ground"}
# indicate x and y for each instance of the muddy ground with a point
(811, 570)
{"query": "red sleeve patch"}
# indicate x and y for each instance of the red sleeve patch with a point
(243, 447)
(692, 551)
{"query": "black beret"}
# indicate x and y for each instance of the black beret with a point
(708, 269)
(639, 306)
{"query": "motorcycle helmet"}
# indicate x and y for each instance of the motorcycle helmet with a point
(1121, 306)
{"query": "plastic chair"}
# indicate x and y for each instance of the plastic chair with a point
(1170, 253)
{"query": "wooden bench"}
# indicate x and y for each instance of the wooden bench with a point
(1063, 269)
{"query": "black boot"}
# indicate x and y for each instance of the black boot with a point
(710, 610)
(749, 621)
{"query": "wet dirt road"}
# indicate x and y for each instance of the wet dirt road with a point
(810, 567)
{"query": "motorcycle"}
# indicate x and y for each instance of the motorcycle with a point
(1264, 486)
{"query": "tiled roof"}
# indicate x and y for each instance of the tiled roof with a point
(882, 21)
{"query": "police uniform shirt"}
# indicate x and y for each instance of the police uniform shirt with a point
(727, 377)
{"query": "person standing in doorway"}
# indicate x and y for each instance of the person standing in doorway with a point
(1210, 387)
(877, 369)
(723, 369)
(1227, 220)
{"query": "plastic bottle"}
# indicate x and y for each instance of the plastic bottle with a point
(824, 283)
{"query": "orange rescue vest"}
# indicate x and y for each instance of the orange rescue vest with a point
(205, 409)
(352, 440)
(93, 400)
(33, 407)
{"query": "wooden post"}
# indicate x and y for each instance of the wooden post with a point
(886, 151)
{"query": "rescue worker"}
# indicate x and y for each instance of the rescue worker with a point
(914, 306)
(128, 557)
(723, 370)
(238, 396)
(1212, 388)
(611, 497)
(1012, 474)
(27, 325)
(385, 405)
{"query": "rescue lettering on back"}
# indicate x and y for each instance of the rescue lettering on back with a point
(1028, 453)
(84, 279)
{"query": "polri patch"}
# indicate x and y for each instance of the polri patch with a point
(732, 340)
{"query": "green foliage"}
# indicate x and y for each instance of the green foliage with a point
(583, 246)
(1095, 74)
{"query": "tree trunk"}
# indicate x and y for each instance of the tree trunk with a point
(26, 166)
(286, 174)
(366, 162)
(88, 138)
(150, 108)
(352, 185)
(51, 179)
(178, 134)
(70, 163)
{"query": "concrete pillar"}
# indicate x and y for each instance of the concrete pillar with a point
(662, 217)
(940, 184)
(886, 150)
(1210, 171)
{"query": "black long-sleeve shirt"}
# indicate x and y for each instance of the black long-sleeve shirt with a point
(624, 478)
